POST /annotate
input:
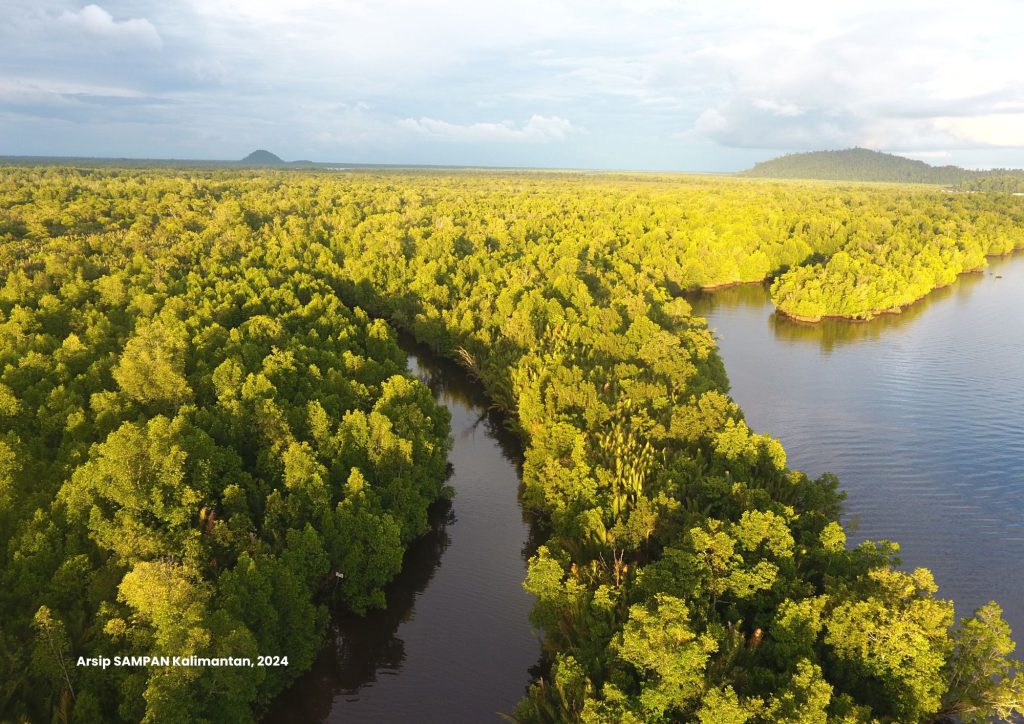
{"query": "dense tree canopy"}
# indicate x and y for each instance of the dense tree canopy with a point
(198, 440)
(198, 414)
(898, 253)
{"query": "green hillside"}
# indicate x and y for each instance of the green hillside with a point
(262, 158)
(859, 164)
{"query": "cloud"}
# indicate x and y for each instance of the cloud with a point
(1002, 130)
(933, 156)
(95, 22)
(653, 83)
(538, 129)
(34, 91)
(892, 77)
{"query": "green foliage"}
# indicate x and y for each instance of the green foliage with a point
(140, 491)
(185, 406)
(197, 414)
(861, 164)
(914, 244)
(981, 649)
(151, 368)
(51, 658)
(670, 657)
(722, 706)
(367, 548)
(896, 635)
(998, 181)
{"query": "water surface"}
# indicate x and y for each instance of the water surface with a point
(454, 644)
(921, 415)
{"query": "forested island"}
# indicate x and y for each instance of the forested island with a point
(887, 248)
(210, 437)
(890, 256)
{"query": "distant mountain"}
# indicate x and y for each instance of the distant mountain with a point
(262, 158)
(861, 164)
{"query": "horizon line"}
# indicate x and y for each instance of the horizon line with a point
(344, 165)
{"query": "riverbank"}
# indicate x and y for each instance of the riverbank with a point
(455, 642)
(916, 413)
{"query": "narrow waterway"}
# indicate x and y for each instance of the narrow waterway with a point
(921, 416)
(454, 644)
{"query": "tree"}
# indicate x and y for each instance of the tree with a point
(152, 366)
(669, 657)
(52, 654)
(980, 675)
(143, 487)
(897, 635)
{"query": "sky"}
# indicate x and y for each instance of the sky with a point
(712, 85)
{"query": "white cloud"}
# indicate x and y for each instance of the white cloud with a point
(660, 83)
(538, 129)
(894, 76)
(42, 91)
(1002, 130)
(94, 21)
(927, 155)
(347, 125)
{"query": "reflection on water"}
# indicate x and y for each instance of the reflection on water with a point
(830, 333)
(920, 414)
(364, 647)
(454, 643)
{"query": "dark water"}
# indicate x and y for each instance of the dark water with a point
(920, 415)
(454, 644)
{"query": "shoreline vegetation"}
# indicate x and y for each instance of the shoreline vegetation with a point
(834, 290)
(767, 281)
(206, 420)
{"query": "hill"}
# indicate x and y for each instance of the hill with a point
(262, 158)
(860, 164)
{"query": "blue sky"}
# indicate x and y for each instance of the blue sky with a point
(639, 84)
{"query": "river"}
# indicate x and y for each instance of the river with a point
(454, 643)
(921, 415)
